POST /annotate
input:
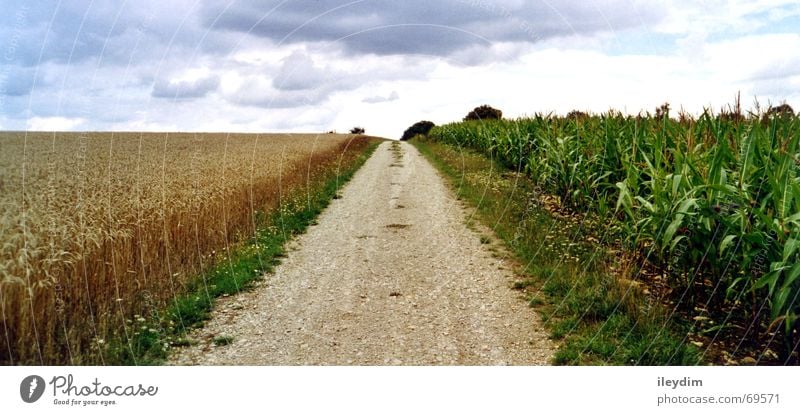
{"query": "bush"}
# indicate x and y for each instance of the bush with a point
(484, 112)
(419, 128)
(662, 111)
(781, 110)
(577, 115)
(357, 130)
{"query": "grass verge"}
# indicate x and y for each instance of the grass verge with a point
(148, 339)
(581, 287)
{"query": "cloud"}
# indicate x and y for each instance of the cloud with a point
(258, 91)
(300, 81)
(299, 72)
(185, 88)
(476, 55)
(773, 68)
(779, 70)
(378, 99)
(439, 28)
(16, 81)
(715, 16)
(54, 123)
(279, 64)
(777, 91)
(34, 33)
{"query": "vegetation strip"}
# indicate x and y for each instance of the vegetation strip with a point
(154, 335)
(707, 208)
(565, 275)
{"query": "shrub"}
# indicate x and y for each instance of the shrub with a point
(577, 115)
(357, 130)
(662, 111)
(484, 112)
(419, 128)
(783, 109)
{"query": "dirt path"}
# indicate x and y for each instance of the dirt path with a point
(390, 275)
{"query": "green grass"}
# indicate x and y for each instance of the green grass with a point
(153, 336)
(565, 274)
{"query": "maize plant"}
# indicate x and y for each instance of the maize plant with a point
(714, 201)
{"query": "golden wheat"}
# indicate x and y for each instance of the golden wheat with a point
(95, 227)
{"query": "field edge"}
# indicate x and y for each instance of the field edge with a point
(155, 336)
(593, 323)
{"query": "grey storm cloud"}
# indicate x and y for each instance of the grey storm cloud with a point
(185, 89)
(94, 51)
(33, 33)
(422, 26)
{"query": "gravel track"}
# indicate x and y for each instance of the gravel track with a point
(390, 275)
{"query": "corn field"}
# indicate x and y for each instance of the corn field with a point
(713, 201)
(98, 228)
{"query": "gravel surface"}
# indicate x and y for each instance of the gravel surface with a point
(390, 275)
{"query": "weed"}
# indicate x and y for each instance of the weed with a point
(223, 340)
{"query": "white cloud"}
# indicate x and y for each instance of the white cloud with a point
(195, 83)
(376, 99)
(301, 81)
(773, 62)
(54, 123)
(739, 16)
(559, 80)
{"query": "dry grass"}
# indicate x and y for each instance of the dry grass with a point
(97, 228)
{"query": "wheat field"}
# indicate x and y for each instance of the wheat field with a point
(100, 227)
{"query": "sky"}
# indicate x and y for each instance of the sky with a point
(320, 65)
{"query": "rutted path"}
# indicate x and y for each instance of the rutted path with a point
(389, 275)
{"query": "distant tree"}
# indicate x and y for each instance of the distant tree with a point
(484, 112)
(357, 130)
(577, 115)
(734, 117)
(662, 111)
(783, 109)
(419, 128)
